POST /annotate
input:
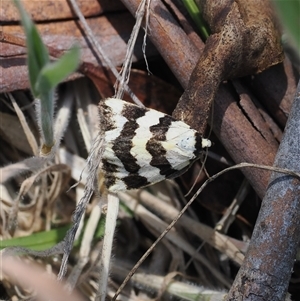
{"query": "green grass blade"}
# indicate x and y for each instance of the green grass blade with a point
(37, 53)
(54, 73)
(46, 239)
(196, 15)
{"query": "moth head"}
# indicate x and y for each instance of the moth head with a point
(205, 143)
(201, 144)
(191, 143)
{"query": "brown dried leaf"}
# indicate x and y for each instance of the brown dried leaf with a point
(150, 90)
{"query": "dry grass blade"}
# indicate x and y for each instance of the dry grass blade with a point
(175, 288)
(110, 226)
(27, 165)
(229, 216)
(62, 118)
(76, 164)
(28, 133)
(208, 234)
(158, 226)
(85, 247)
(126, 68)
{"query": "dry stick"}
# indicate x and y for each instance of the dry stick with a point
(268, 263)
(171, 225)
(100, 51)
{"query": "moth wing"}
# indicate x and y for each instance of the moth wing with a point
(143, 146)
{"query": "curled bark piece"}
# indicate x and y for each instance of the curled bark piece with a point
(245, 40)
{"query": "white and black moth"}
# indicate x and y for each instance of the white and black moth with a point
(144, 146)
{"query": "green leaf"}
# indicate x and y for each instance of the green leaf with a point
(289, 12)
(37, 241)
(197, 17)
(47, 239)
(54, 73)
(37, 53)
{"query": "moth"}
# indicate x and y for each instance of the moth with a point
(144, 146)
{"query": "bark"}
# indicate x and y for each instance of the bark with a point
(112, 32)
(267, 267)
